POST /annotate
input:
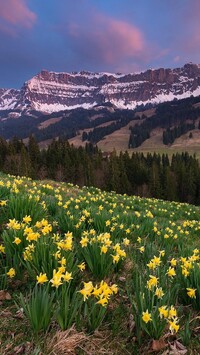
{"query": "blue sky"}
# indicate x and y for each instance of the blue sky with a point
(95, 35)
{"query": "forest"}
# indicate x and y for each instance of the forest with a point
(153, 175)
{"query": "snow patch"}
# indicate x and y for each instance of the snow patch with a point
(122, 104)
(59, 107)
(90, 75)
(8, 99)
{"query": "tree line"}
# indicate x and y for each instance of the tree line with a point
(153, 175)
(171, 134)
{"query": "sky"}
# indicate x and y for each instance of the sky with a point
(95, 35)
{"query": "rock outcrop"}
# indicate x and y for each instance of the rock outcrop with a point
(52, 92)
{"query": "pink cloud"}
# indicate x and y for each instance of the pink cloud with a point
(176, 59)
(16, 12)
(119, 39)
(108, 41)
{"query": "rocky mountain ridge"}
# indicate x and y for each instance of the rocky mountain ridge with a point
(53, 92)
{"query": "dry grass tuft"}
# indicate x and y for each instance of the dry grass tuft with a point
(99, 344)
(66, 342)
(69, 341)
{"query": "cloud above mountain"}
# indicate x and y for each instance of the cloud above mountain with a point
(107, 40)
(16, 13)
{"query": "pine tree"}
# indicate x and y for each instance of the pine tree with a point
(25, 167)
(34, 154)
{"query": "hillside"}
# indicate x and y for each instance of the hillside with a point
(156, 120)
(91, 271)
(118, 140)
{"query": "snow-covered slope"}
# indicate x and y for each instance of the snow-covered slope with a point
(52, 92)
(8, 98)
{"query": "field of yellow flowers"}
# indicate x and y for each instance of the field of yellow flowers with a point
(85, 264)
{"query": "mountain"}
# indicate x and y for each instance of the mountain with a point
(52, 92)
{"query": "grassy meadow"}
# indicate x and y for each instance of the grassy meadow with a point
(85, 271)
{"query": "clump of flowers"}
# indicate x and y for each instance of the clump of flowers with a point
(96, 299)
(101, 254)
(102, 293)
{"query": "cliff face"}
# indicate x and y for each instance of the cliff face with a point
(49, 91)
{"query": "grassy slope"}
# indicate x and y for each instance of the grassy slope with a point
(119, 141)
(130, 218)
(181, 144)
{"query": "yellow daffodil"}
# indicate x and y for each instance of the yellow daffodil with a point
(81, 266)
(33, 236)
(173, 262)
(62, 269)
(104, 249)
(42, 278)
(11, 273)
(27, 219)
(84, 241)
(162, 253)
(159, 292)
(56, 279)
(67, 276)
(126, 241)
(115, 258)
(185, 272)
(103, 302)
(152, 282)
(171, 272)
(96, 292)
(17, 241)
(13, 224)
(146, 316)
(173, 326)
(156, 260)
(2, 249)
(87, 290)
(191, 292)
(172, 312)
(163, 311)
(114, 288)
